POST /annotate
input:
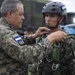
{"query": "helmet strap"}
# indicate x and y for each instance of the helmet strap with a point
(50, 27)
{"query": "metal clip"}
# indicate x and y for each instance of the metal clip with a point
(55, 66)
(57, 44)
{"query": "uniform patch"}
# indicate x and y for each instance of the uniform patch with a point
(18, 39)
(63, 7)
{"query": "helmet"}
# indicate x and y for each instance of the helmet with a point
(56, 8)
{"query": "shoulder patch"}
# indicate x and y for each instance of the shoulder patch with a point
(18, 39)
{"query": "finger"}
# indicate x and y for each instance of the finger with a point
(64, 33)
(44, 28)
(64, 38)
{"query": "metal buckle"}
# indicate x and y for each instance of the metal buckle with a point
(55, 66)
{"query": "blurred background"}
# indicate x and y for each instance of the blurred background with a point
(33, 15)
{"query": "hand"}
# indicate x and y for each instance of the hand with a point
(57, 36)
(41, 31)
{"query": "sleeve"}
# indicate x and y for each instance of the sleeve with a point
(38, 39)
(73, 48)
(72, 59)
(28, 39)
(22, 53)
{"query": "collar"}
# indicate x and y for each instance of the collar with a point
(12, 27)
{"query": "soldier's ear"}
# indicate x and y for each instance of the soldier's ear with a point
(9, 14)
(61, 19)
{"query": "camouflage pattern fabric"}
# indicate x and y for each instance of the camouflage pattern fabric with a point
(67, 58)
(14, 56)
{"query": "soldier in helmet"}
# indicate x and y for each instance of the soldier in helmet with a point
(60, 61)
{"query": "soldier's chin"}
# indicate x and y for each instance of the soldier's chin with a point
(48, 24)
(50, 27)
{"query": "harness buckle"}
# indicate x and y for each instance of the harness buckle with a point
(55, 66)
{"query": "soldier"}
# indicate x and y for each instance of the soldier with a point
(60, 61)
(29, 30)
(14, 54)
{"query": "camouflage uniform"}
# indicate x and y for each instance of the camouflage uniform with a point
(14, 55)
(66, 63)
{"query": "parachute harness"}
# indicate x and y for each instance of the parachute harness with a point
(61, 55)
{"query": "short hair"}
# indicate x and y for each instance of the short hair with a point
(9, 5)
(29, 29)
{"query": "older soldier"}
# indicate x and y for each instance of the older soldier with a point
(14, 54)
(60, 61)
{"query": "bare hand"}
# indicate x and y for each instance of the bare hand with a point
(57, 36)
(41, 31)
